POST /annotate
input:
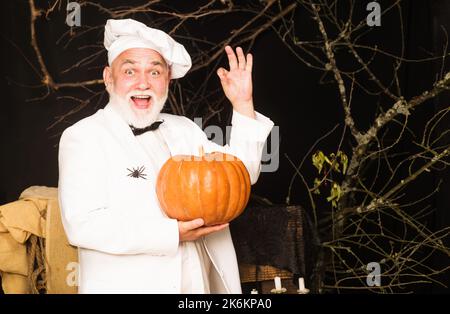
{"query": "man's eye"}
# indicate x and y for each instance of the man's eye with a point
(154, 73)
(129, 72)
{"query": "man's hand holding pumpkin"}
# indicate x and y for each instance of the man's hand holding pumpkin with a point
(194, 229)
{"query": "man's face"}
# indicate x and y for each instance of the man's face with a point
(138, 82)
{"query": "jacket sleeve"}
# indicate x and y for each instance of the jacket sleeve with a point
(89, 220)
(247, 139)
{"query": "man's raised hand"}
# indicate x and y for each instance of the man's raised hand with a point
(237, 81)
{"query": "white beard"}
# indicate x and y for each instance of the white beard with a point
(138, 118)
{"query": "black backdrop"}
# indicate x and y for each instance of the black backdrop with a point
(285, 90)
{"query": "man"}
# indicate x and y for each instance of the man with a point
(109, 163)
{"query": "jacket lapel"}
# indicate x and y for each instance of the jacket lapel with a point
(171, 137)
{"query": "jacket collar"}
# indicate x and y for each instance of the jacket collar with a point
(122, 132)
(118, 127)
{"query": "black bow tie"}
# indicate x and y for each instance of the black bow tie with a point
(151, 127)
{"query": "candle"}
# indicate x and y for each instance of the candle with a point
(278, 288)
(301, 284)
(277, 283)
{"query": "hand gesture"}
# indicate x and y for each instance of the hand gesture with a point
(237, 82)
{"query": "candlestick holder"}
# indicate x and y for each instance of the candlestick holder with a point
(303, 291)
(278, 291)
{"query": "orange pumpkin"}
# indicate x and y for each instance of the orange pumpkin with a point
(215, 187)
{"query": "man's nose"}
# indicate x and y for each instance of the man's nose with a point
(143, 82)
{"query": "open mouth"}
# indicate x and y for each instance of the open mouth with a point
(141, 101)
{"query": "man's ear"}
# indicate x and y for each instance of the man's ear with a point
(107, 76)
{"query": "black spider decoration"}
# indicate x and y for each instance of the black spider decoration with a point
(137, 173)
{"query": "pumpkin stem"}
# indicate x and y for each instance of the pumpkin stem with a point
(201, 151)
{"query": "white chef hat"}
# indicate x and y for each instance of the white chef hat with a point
(121, 35)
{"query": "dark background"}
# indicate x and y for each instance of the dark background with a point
(285, 90)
